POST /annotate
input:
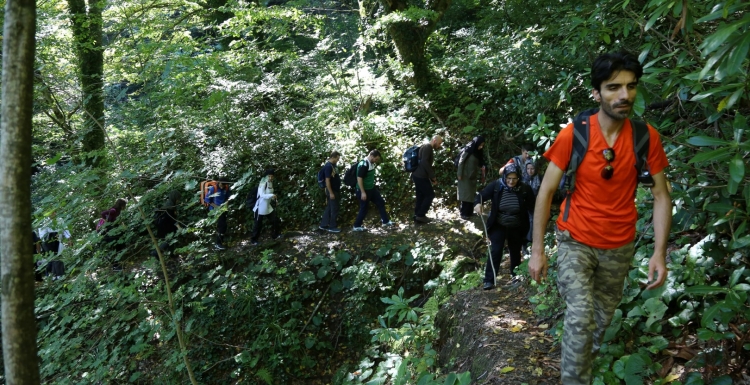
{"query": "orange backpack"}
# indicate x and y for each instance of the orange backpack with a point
(205, 185)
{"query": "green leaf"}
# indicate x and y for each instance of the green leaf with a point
(735, 276)
(53, 160)
(705, 290)
(712, 313)
(719, 154)
(469, 129)
(707, 141)
(464, 378)
(737, 169)
(714, 41)
(639, 106)
(741, 287)
(722, 380)
(450, 379)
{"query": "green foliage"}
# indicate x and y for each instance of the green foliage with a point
(196, 90)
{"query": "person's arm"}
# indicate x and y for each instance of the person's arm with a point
(329, 175)
(662, 223)
(428, 158)
(484, 196)
(538, 262)
(461, 162)
(361, 180)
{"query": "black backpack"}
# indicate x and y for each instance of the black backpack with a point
(581, 125)
(252, 198)
(350, 176)
(411, 158)
(50, 242)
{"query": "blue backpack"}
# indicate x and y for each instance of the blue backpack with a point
(411, 158)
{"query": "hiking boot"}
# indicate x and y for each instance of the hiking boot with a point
(254, 243)
(359, 229)
(388, 224)
(334, 230)
(487, 286)
(422, 219)
(324, 228)
(219, 247)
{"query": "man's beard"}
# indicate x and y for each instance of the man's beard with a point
(610, 111)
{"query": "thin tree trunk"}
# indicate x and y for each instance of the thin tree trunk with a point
(16, 258)
(410, 38)
(87, 34)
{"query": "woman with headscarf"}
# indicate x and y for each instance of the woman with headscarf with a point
(263, 209)
(470, 161)
(512, 201)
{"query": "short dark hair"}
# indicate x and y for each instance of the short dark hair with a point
(375, 153)
(527, 147)
(607, 64)
(334, 154)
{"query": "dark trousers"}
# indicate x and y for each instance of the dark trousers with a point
(332, 209)
(467, 209)
(259, 219)
(374, 197)
(425, 195)
(498, 235)
(221, 228)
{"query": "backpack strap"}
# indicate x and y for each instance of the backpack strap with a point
(580, 146)
(641, 139)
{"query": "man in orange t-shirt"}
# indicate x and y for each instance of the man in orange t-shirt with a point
(596, 242)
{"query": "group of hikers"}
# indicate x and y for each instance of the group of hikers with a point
(596, 163)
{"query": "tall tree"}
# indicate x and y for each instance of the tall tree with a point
(410, 30)
(87, 34)
(16, 259)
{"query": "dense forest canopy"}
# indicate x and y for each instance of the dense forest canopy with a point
(137, 98)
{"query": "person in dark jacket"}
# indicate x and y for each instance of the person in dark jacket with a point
(166, 220)
(332, 193)
(110, 216)
(470, 162)
(424, 179)
(217, 196)
(512, 201)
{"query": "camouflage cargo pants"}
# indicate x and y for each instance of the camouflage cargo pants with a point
(590, 281)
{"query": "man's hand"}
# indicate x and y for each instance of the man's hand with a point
(333, 196)
(459, 178)
(363, 196)
(478, 209)
(538, 266)
(658, 265)
(434, 182)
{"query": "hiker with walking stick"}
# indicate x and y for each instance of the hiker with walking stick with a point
(512, 201)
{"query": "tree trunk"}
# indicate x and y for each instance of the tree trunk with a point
(410, 37)
(87, 35)
(16, 258)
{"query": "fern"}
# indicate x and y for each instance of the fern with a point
(264, 375)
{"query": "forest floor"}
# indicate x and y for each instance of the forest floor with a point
(493, 334)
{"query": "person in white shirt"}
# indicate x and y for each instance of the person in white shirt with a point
(263, 210)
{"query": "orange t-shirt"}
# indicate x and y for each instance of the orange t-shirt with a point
(602, 212)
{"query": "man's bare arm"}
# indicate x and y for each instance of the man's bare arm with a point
(538, 262)
(662, 225)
